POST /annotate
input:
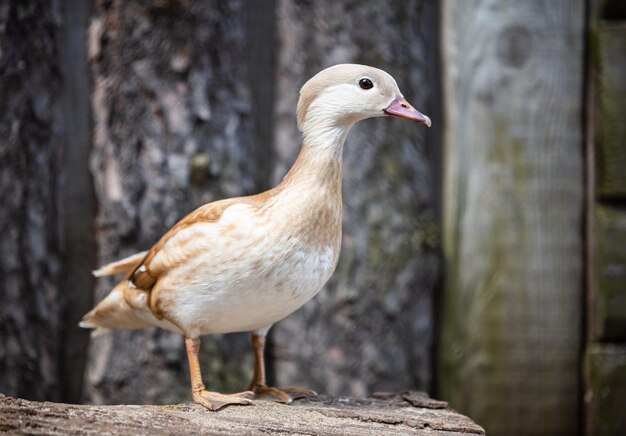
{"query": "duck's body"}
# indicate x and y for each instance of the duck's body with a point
(264, 257)
(239, 264)
(264, 267)
(243, 264)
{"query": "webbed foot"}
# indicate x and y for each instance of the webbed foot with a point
(215, 401)
(283, 395)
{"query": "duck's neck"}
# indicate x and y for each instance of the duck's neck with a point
(320, 159)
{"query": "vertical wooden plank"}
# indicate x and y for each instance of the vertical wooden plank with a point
(261, 68)
(76, 198)
(609, 314)
(605, 357)
(605, 366)
(610, 55)
(513, 213)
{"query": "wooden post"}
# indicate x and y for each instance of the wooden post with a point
(77, 202)
(605, 356)
(513, 213)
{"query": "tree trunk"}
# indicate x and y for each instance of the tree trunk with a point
(30, 148)
(173, 130)
(513, 213)
(371, 328)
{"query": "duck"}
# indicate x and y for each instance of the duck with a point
(242, 264)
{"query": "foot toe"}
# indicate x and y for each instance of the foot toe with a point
(215, 401)
(281, 396)
(284, 395)
(300, 392)
(245, 394)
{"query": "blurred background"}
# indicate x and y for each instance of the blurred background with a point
(483, 260)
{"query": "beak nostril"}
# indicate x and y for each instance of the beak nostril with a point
(404, 105)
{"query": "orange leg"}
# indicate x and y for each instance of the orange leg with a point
(259, 384)
(210, 400)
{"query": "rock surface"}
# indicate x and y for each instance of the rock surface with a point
(381, 415)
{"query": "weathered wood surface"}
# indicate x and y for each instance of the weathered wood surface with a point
(609, 67)
(372, 327)
(609, 316)
(605, 362)
(513, 213)
(605, 396)
(407, 413)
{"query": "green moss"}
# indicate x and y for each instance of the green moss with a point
(611, 138)
(610, 314)
(606, 375)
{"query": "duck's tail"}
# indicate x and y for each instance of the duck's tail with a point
(123, 266)
(123, 309)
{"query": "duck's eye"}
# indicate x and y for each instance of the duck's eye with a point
(366, 84)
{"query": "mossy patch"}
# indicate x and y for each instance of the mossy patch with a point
(605, 367)
(611, 134)
(610, 314)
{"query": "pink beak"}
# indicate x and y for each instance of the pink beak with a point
(401, 108)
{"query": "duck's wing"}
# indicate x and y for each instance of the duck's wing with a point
(128, 305)
(173, 248)
(130, 265)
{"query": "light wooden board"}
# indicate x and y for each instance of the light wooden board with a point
(513, 209)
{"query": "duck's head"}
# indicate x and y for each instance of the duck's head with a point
(346, 93)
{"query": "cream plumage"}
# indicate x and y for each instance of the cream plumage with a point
(243, 264)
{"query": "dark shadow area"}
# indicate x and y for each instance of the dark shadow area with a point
(77, 202)
(613, 10)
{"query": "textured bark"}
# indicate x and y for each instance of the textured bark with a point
(513, 214)
(30, 144)
(371, 328)
(173, 130)
(408, 413)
